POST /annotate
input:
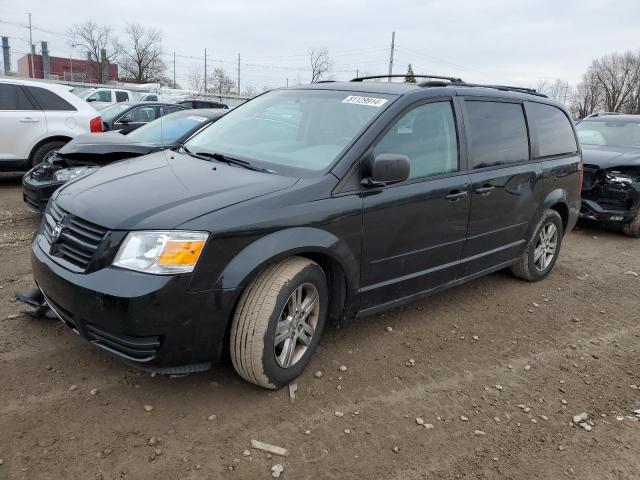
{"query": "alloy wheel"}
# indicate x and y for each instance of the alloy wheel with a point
(296, 325)
(546, 246)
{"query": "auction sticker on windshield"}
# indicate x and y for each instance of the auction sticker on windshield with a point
(369, 101)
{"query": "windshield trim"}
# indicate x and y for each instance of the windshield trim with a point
(288, 170)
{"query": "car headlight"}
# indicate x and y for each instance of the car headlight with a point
(162, 253)
(67, 174)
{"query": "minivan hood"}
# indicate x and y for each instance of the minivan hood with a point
(607, 157)
(162, 191)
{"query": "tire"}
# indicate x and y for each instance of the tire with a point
(44, 150)
(632, 229)
(265, 306)
(532, 266)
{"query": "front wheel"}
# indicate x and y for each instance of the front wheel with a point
(278, 322)
(632, 229)
(542, 250)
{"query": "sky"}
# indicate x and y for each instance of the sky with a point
(519, 42)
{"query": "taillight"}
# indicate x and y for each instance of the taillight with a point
(95, 125)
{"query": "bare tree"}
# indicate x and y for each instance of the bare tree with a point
(587, 95)
(618, 75)
(320, 63)
(220, 82)
(249, 91)
(195, 77)
(96, 39)
(141, 60)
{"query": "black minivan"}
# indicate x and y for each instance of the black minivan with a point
(331, 200)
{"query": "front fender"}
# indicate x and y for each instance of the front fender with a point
(285, 243)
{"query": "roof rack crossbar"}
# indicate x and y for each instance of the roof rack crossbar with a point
(438, 77)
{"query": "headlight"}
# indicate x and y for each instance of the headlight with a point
(162, 253)
(67, 174)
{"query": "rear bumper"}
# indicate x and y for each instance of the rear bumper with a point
(151, 321)
(36, 193)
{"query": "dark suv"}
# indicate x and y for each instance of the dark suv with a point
(611, 189)
(307, 203)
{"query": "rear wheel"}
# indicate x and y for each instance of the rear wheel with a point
(278, 322)
(632, 229)
(542, 250)
(46, 152)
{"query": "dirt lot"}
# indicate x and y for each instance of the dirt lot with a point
(482, 352)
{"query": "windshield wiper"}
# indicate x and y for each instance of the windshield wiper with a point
(233, 161)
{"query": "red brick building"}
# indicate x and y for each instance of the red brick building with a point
(60, 68)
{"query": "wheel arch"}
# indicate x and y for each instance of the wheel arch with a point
(54, 138)
(337, 260)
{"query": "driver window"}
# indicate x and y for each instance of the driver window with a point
(101, 96)
(427, 135)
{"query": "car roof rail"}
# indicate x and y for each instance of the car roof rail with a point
(600, 114)
(436, 77)
(506, 88)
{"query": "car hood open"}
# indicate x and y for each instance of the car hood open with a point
(608, 157)
(162, 191)
(103, 148)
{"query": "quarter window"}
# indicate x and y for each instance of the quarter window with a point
(554, 134)
(13, 98)
(498, 133)
(427, 135)
(121, 96)
(49, 101)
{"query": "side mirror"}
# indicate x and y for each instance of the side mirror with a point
(91, 99)
(388, 168)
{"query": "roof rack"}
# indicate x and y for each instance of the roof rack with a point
(326, 81)
(437, 77)
(440, 81)
(601, 114)
(506, 88)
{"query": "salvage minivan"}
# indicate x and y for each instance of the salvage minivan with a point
(310, 203)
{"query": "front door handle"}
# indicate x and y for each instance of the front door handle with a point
(484, 190)
(456, 195)
(29, 120)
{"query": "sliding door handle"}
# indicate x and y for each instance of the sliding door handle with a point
(456, 195)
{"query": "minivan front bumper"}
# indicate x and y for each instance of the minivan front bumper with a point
(151, 321)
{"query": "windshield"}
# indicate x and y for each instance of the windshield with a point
(112, 111)
(169, 129)
(304, 129)
(611, 133)
(82, 91)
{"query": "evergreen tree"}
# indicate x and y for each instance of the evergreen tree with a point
(409, 77)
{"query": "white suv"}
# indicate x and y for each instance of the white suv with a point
(37, 119)
(100, 98)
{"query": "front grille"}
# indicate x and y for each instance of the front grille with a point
(78, 240)
(139, 349)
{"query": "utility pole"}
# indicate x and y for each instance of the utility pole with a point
(32, 48)
(174, 70)
(238, 74)
(357, 72)
(393, 46)
(205, 70)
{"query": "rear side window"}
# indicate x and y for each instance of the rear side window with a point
(13, 98)
(498, 133)
(553, 132)
(49, 101)
(121, 96)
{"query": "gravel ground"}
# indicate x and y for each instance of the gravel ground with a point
(479, 382)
